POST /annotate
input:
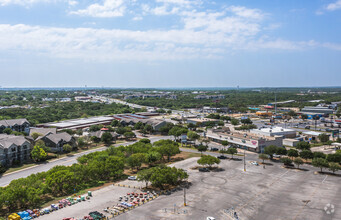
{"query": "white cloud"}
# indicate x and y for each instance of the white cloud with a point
(247, 13)
(108, 9)
(334, 6)
(31, 2)
(116, 44)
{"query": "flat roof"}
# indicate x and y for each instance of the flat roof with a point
(313, 133)
(77, 122)
(274, 130)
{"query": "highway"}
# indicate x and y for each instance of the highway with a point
(66, 161)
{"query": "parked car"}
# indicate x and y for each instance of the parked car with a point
(214, 149)
(210, 218)
(132, 178)
(307, 127)
(254, 163)
(204, 169)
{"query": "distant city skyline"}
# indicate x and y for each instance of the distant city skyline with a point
(170, 43)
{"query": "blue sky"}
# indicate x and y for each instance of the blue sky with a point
(170, 43)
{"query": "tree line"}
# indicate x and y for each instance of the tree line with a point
(91, 170)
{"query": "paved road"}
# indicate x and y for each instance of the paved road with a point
(66, 161)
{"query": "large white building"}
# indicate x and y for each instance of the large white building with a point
(275, 131)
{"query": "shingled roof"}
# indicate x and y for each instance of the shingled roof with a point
(8, 140)
(12, 122)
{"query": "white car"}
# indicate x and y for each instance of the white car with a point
(254, 163)
(132, 178)
(210, 218)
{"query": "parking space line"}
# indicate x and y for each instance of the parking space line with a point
(310, 197)
(238, 209)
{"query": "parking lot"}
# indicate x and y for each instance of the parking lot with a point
(271, 193)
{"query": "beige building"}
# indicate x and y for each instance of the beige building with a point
(245, 140)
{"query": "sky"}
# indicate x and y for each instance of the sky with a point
(170, 43)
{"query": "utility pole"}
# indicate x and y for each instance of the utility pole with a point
(244, 162)
(184, 196)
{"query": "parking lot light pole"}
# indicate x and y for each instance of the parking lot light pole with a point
(244, 162)
(184, 196)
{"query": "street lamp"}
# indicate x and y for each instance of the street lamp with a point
(244, 162)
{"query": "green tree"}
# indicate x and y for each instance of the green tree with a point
(334, 167)
(167, 148)
(95, 139)
(232, 151)
(114, 123)
(2, 170)
(129, 135)
(270, 150)
(306, 154)
(336, 158)
(7, 131)
(153, 157)
(38, 154)
(163, 175)
(281, 151)
(202, 148)
(208, 160)
(292, 153)
(319, 155)
(234, 121)
(145, 140)
(145, 176)
(323, 137)
(286, 161)
(106, 138)
(246, 121)
(298, 161)
(67, 148)
(148, 128)
(136, 160)
(177, 131)
(192, 135)
(81, 142)
(320, 162)
(35, 135)
(302, 145)
(224, 143)
(263, 157)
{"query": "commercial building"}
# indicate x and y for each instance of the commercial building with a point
(14, 148)
(264, 113)
(275, 131)
(79, 123)
(201, 121)
(317, 109)
(245, 140)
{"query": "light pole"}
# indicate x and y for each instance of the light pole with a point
(244, 162)
(184, 196)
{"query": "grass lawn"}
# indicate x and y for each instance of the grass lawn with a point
(20, 167)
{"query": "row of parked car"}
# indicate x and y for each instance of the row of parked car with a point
(30, 214)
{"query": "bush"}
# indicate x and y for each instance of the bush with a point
(67, 148)
(2, 169)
